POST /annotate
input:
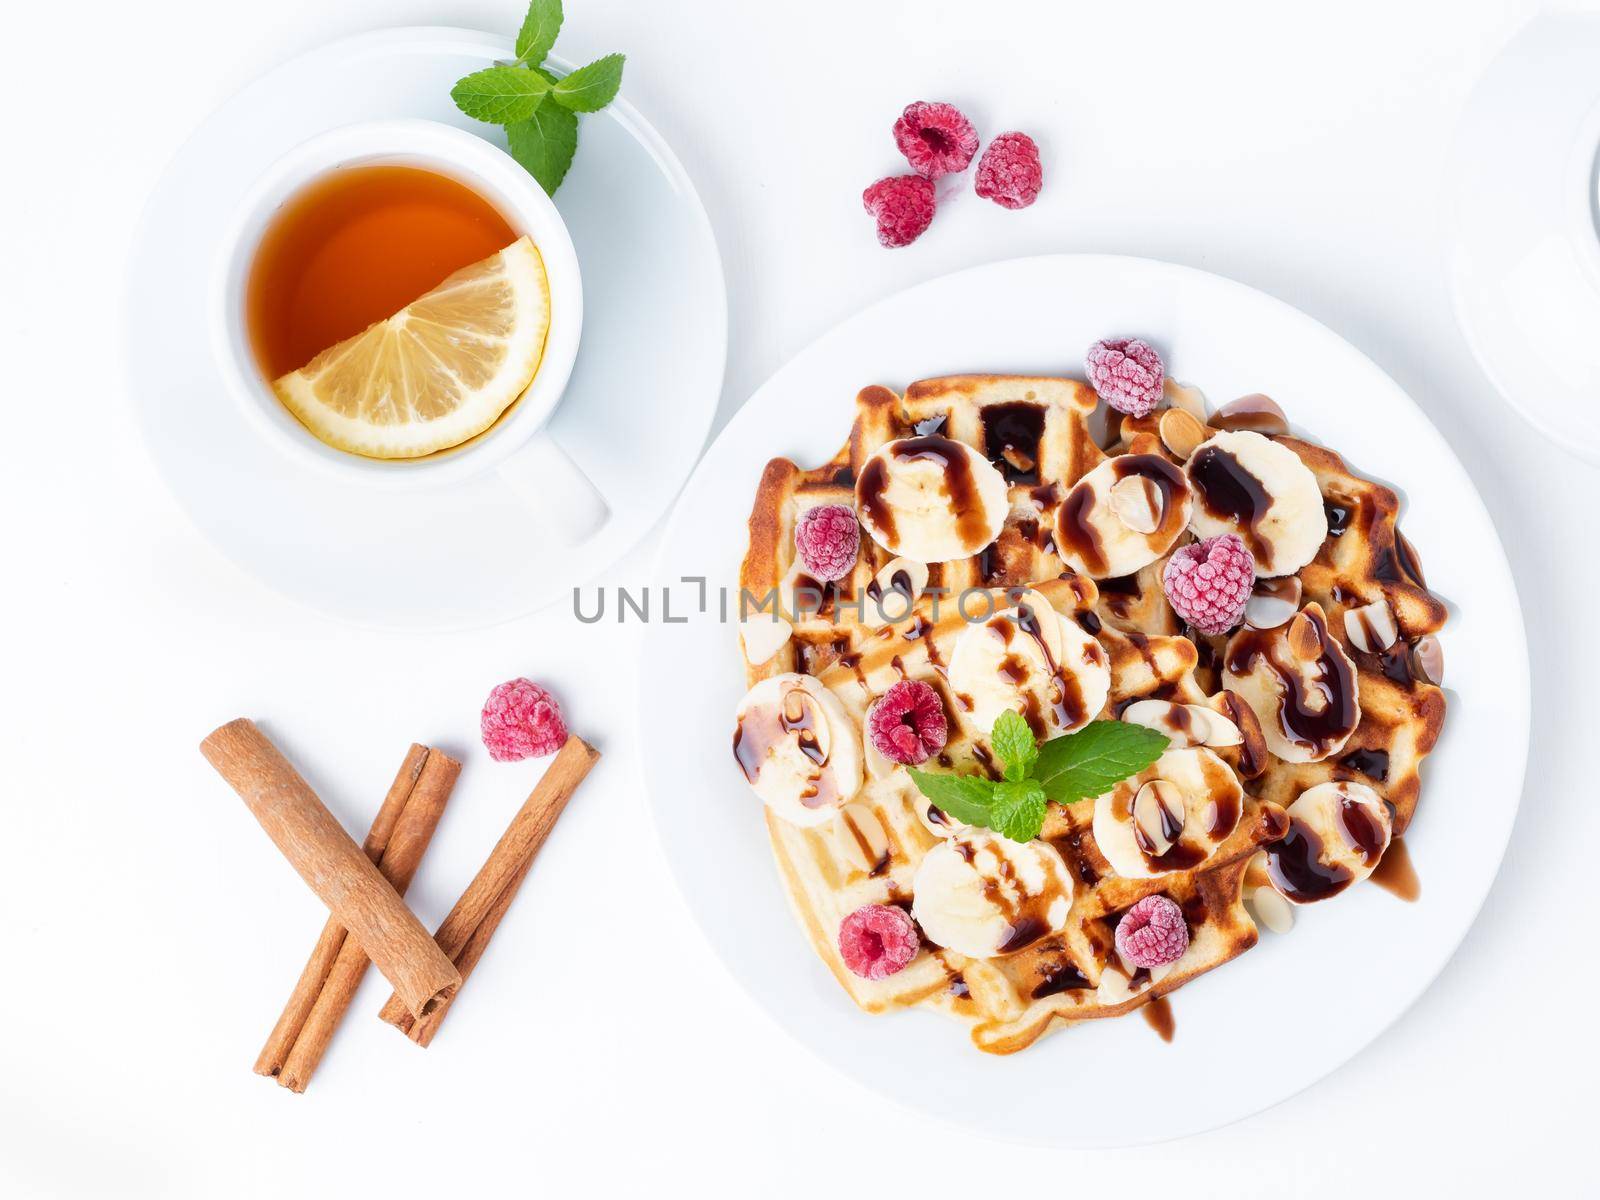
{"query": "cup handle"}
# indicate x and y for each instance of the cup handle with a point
(557, 493)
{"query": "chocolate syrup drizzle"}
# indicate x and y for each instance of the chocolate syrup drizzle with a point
(957, 485)
(1012, 434)
(757, 732)
(1296, 867)
(1317, 729)
(1075, 532)
(1229, 492)
(1065, 696)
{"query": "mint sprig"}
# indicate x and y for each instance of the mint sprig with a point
(539, 111)
(537, 36)
(1013, 742)
(1077, 766)
(545, 143)
(1096, 758)
(501, 95)
(590, 88)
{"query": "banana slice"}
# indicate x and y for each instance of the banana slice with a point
(1123, 515)
(798, 748)
(1030, 659)
(1170, 817)
(1338, 832)
(931, 499)
(1250, 485)
(1300, 683)
(983, 896)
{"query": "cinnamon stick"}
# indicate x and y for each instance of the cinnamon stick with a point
(422, 1031)
(332, 865)
(310, 984)
(398, 863)
(465, 933)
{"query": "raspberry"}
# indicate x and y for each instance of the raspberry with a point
(1208, 583)
(935, 138)
(878, 940)
(1126, 373)
(1152, 933)
(907, 723)
(1009, 172)
(521, 720)
(903, 205)
(828, 540)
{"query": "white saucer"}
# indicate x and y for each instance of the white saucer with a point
(634, 417)
(1258, 1029)
(1525, 243)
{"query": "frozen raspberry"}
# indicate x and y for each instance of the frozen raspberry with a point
(1208, 583)
(1127, 374)
(1152, 933)
(1009, 172)
(828, 540)
(521, 720)
(935, 138)
(907, 723)
(878, 940)
(903, 205)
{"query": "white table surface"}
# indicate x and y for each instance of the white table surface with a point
(150, 932)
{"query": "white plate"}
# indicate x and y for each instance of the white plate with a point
(1260, 1028)
(1525, 237)
(634, 417)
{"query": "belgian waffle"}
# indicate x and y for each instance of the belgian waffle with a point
(848, 637)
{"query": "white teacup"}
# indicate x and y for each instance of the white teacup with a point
(560, 497)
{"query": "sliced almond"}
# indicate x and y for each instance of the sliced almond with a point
(1427, 660)
(1186, 397)
(1219, 731)
(1138, 503)
(1305, 643)
(1272, 602)
(1166, 717)
(1410, 561)
(1113, 987)
(861, 839)
(878, 767)
(1371, 628)
(1181, 433)
(800, 596)
(1254, 413)
(894, 590)
(1158, 817)
(1271, 911)
(764, 635)
(1186, 725)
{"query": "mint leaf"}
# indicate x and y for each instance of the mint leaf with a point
(1018, 810)
(544, 144)
(964, 797)
(1091, 761)
(590, 88)
(500, 95)
(1013, 742)
(538, 32)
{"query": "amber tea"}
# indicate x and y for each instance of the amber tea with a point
(355, 247)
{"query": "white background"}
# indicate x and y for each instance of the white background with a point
(150, 933)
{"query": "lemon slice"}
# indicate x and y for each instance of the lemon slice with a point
(440, 371)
